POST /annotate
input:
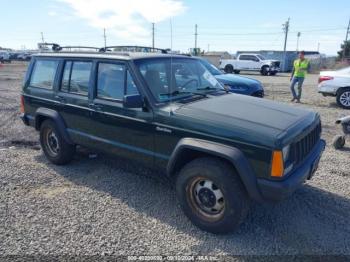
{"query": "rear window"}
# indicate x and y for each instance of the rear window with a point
(43, 74)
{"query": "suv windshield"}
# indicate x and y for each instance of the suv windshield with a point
(172, 78)
(261, 57)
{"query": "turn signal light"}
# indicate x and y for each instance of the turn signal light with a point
(277, 167)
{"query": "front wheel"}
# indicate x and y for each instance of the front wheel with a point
(212, 195)
(343, 98)
(55, 148)
(265, 70)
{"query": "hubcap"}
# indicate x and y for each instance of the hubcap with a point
(345, 99)
(52, 143)
(207, 198)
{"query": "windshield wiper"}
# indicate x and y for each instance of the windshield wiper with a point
(175, 93)
(207, 88)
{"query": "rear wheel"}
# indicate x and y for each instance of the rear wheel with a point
(343, 98)
(229, 69)
(55, 148)
(212, 195)
(338, 142)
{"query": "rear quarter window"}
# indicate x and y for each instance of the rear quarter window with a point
(43, 74)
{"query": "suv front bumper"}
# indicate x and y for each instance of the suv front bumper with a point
(273, 191)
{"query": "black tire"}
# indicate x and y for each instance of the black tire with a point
(228, 69)
(234, 203)
(338, 142)
(273, 73)
(265, 70)
(343, 97)
(236, 72)
(55, 148)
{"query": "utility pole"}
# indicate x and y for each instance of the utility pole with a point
(152, 35)
(195, 38)
(346, 39)
(105, 37)
(285, 29)
(318, 47)
(298, 35)
(42, 37)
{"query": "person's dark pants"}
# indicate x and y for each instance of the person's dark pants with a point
(300, 81)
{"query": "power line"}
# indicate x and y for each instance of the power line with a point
(346, 39)
(285, 29)
(105, 37)
(195, 37)
(152, 35)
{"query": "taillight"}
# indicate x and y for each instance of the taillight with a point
(325, 78)
(22, 105)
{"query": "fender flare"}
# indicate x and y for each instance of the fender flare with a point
(56, 117)
(231, 154)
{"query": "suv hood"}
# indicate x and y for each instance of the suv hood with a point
(236, 116)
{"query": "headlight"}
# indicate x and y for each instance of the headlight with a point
(286, 152)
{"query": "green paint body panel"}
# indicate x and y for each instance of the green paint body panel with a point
(254, 126)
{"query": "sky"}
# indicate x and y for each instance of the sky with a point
(223, 25)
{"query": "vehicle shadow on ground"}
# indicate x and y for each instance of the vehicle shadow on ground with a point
(312, 221)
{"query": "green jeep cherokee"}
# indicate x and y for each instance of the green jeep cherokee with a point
(221, 150)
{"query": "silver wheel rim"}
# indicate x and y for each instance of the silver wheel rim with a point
(345, 99)
(207, 198)
(52, 143)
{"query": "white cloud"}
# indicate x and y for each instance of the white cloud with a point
(129, 20)
(52, 13)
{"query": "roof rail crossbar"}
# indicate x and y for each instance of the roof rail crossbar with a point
(126, 48)
(56, 47)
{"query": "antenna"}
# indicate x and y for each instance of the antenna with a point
(42, 37)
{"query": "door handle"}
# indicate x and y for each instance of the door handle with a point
(60, 99)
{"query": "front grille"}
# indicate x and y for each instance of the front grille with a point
(276, 64)
(302, 148)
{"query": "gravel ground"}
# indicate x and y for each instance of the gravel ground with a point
(105, 206)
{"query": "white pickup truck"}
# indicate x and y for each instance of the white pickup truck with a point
(250, 62)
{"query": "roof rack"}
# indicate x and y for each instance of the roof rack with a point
(53, 47)
(139, 49)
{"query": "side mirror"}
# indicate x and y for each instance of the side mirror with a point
(133, 101)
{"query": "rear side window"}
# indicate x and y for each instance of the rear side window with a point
(110, 81)
(43, 74)
(76, 77)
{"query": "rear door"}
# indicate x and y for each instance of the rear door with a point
(73, 95)
(123, 131)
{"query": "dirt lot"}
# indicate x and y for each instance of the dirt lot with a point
(105, 206)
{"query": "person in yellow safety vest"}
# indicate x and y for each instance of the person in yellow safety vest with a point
(300, 68)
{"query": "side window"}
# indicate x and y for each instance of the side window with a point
(66, 76)
(243, 57)
(43, 74)
(76, 77)
(80, 77)
(131, 88)
(110, 81)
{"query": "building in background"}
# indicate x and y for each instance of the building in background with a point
(215, 56)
